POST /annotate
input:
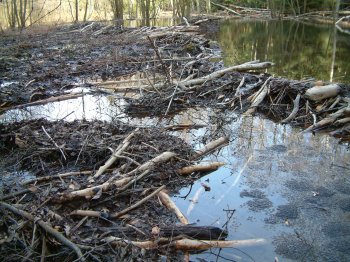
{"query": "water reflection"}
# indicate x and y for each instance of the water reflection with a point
(299, 50)
(279, 182)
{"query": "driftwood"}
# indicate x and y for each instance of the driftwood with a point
(60, 237)
(318, 93)
(210, 147)
(166, 201)
(200, 168)
(187, 244)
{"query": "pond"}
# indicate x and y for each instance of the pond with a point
(288, 187)
(300, 50)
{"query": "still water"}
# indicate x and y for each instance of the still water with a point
(299, 50)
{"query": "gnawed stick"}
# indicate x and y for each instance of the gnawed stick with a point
(259, 97)
(243, 67)
(119, 183)
(166, 201)
(188, 244)
(210, 147)
(163, 157)
(89, 213)
(137, 204)
(328, 120)
(200, 168)
(60, 237)
(45, 178)
(294, 111)
(192, 244)
(115, 155)
(91, 191)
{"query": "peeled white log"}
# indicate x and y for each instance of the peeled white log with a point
(188, 244)
(210, 147)
(166, 201)
(317, 93)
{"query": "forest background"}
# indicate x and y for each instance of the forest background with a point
(24, 13)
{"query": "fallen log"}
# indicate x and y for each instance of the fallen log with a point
(166, 201)
(200, 168)
(318, 93)
(210, 147)
(46, 227)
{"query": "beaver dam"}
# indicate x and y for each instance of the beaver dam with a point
(108, 134)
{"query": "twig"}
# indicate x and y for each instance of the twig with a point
(137, 204)
(60, 237)
(45, 178)
(294, 111)
(53, 141)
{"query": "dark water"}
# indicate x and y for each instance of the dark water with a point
(299, 50)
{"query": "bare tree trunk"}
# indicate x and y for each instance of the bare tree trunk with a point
(76, 11)
(86, 9)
